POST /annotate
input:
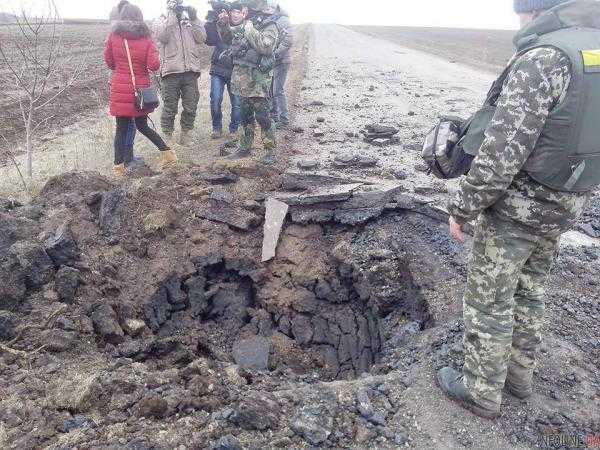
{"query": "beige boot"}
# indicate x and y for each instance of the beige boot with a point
(185, 138)
(170, 140)
(119, 170)
(167, 158)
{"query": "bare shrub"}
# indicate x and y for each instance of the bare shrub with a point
(35, 58)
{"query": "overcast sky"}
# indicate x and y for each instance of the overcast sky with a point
(444, 13)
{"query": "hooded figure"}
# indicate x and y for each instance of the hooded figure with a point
(115, 16)
(130, 48)
(115, 13)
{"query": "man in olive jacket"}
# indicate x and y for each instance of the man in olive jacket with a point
(180, 36)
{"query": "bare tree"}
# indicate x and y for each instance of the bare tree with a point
(38, 68)
(14, 162)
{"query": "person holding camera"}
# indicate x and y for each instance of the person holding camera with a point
(251, 30)
(220, 74)
(180, 35)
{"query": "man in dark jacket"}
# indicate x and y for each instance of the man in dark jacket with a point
(220, 76)
(283, 59)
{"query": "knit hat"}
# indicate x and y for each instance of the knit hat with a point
(524, 6)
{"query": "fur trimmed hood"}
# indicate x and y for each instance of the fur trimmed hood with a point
(133, 29)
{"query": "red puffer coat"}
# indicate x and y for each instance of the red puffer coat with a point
(144, 58)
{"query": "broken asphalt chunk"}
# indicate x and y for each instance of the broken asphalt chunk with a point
(383, 142)
(276, 212)
(323, 194)
(308, 164)
(220, 177)
(300, 181)
(252, 353)
(233, 216)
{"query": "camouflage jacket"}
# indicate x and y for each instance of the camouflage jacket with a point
(537, 83)
(247, 81)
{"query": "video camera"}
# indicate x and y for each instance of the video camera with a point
(217, 6)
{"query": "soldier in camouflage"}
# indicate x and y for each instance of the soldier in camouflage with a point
(253, 43)
(520, 220)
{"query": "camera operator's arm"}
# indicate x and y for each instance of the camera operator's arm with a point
(197, 27)
(286, 39)
(212, 33)
(163, 26)
(264, 41)
(224, 28)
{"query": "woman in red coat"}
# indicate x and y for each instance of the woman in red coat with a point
(133, 31)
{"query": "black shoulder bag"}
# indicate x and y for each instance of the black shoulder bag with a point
(145, 98)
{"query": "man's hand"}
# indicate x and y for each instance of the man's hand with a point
(456, 231)
(192, 13)
(223, 18)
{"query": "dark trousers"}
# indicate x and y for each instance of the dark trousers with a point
(177, 86)
(123, 153)
(217, 88)
(280, 106)
(130, 141)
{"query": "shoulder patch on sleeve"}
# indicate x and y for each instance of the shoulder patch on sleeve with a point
(591, 60)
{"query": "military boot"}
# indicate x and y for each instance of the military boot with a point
(240, 153)
(270, 158)
(519, 383)
(170, 139)
(451, 382)
(185, 138)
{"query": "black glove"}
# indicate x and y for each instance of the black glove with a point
(192, 13)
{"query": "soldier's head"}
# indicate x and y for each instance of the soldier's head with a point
(529, 10)
(238, 13)
(268, 7)
(172, 4)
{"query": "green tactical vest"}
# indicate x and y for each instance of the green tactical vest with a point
(567, 154)
(244, 55)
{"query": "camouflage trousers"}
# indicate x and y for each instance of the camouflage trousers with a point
(504, 306)
(177, 86)
(257, 109)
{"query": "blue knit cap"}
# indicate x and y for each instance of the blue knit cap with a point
(524, 6)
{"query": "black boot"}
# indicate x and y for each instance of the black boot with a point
(451, 382)
(239, 154)
(270, 158)
(522, 389)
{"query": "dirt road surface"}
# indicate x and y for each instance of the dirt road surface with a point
(362, 79)
(487, 50)
(150, 329)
